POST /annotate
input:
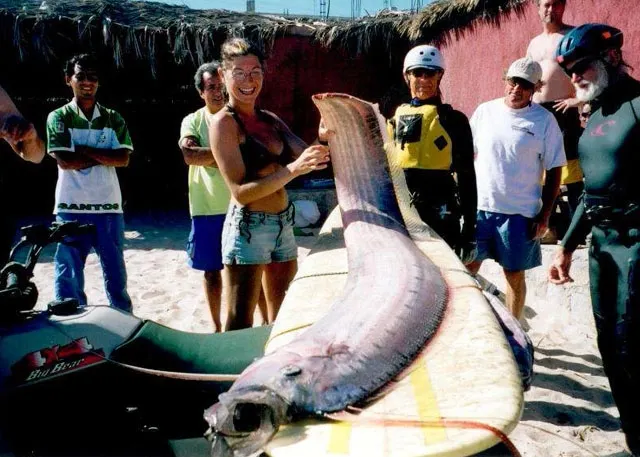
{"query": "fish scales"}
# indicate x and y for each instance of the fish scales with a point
(391, 306)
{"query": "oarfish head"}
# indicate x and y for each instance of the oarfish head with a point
(272, 391)
(244, 420)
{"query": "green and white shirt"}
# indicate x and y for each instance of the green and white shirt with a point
(208, 193)
(94, 189)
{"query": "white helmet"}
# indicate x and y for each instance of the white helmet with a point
(423, 56)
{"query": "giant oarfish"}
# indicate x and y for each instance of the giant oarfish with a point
(391, 306)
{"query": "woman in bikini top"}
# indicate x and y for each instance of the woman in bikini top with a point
(257, 155)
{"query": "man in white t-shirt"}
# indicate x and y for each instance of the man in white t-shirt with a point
(519, 155)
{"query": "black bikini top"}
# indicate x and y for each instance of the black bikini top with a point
(255, 155)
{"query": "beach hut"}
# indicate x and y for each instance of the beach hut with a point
(150, 51)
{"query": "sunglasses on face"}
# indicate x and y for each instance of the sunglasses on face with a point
(523, 83)
(240, 75)
(423, 73)
(91, 77)
(579, 67)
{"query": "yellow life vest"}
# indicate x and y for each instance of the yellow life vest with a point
(420, 141)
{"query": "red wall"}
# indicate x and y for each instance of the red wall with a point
(477, 61)
(297, 68)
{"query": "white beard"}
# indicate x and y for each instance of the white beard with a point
(593, 89)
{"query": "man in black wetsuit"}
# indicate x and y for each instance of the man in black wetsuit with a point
(609, 153)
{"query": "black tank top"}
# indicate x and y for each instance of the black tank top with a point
(610, 145)
(255, 155)
(608, 153)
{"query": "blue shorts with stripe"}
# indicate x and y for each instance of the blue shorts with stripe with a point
(507, 239)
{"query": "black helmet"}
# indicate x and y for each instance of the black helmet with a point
(587, 40)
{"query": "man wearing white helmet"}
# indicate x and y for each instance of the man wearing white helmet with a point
(432, 142)
(518, 146)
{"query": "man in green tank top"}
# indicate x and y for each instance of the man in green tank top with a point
(208, 193)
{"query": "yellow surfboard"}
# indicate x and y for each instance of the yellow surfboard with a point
(466, 377)
(463, 391)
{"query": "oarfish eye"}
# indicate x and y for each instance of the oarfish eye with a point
(291, 370)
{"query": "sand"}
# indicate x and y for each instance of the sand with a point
(569, 411)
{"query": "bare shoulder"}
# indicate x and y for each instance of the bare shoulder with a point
(223, 120)
(278, 122)
(275, 117)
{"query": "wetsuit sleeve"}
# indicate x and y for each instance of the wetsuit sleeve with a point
(579, 228)
(459, 129)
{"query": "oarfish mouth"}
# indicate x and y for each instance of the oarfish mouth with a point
(241, 426)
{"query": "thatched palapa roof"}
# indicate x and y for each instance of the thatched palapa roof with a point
(44, 29)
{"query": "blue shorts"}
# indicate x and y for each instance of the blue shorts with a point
(507, 238)
(205, 243)
(257, 238)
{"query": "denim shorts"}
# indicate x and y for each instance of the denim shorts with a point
(204, 245)
(508, 239)
(255, 238)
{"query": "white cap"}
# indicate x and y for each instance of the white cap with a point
(526, 69)
(423, 56)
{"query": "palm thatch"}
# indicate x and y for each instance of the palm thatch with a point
(444, 19)
(44, 29)
(150, 50)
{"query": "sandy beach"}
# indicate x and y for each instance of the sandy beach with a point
(569, 411)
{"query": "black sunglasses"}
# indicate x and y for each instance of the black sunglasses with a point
(423, 72)
(523, 83)
(579, 67)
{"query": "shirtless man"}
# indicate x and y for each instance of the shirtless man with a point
(557, 93)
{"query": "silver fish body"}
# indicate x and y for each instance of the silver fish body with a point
(391, 306)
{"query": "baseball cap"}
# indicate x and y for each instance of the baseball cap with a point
(526, 69)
